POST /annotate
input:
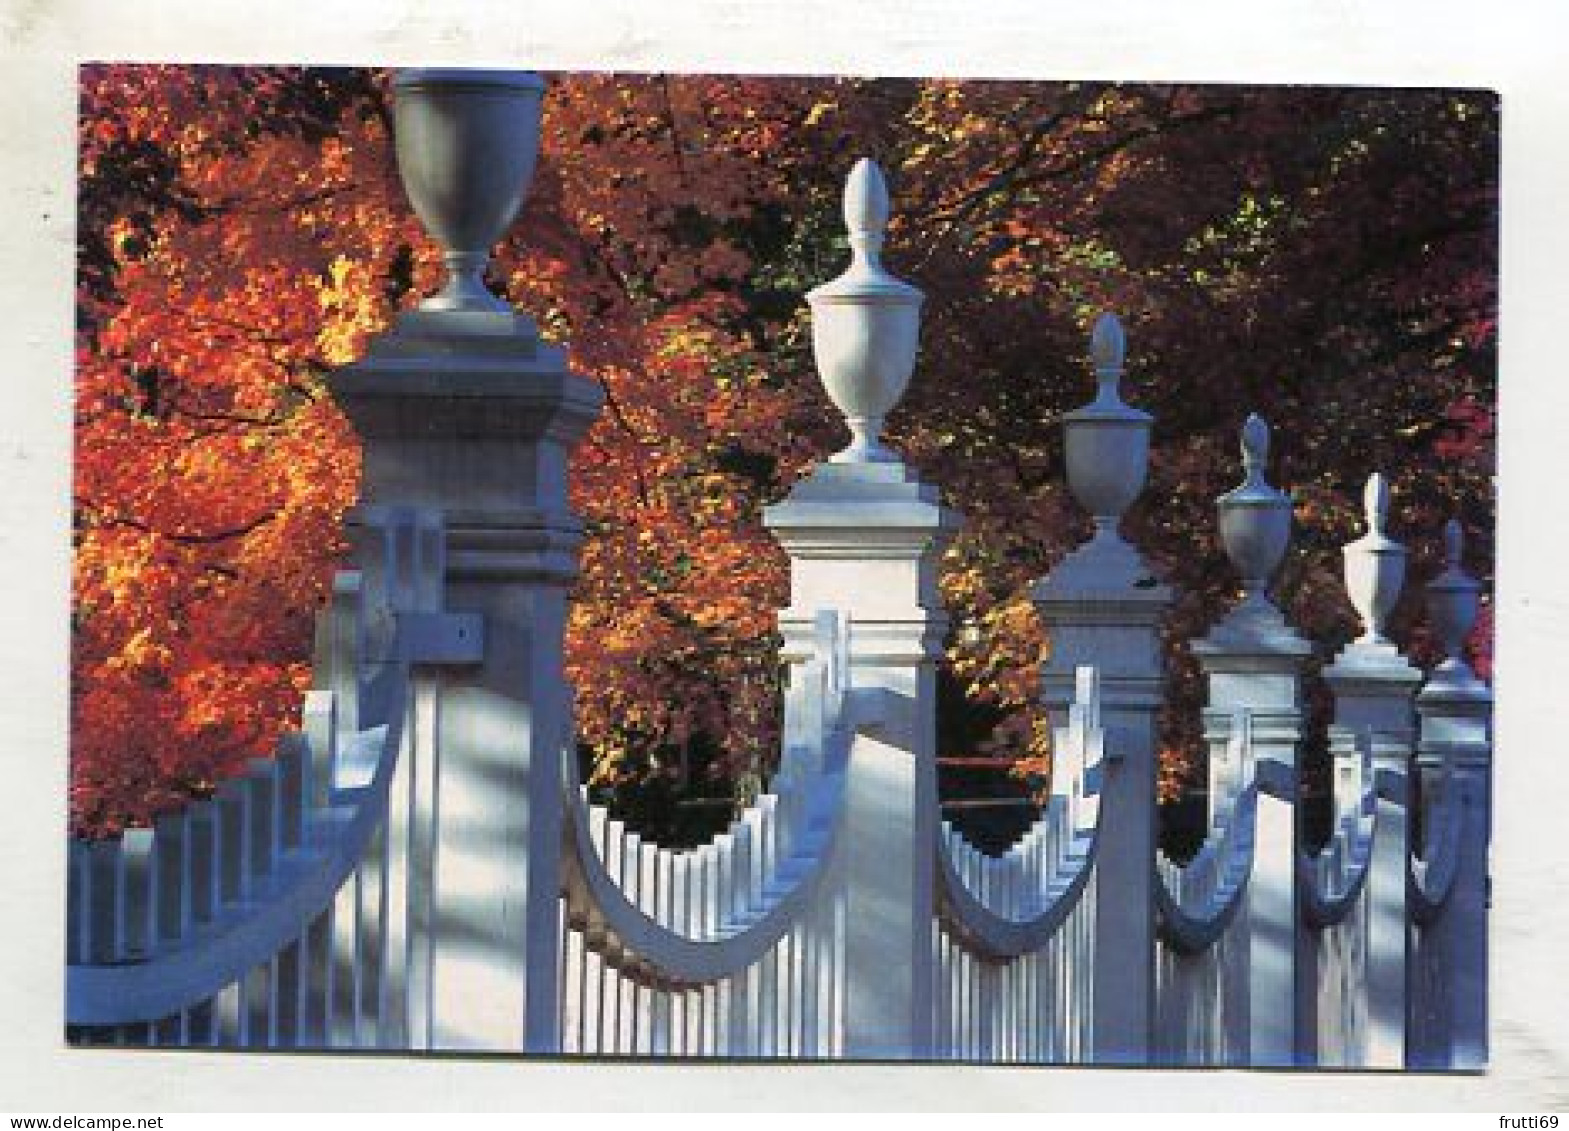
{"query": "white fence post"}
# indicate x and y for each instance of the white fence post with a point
(1102, 607)
(1373, 687)
(1254, 661)
(1455, 762)
(466, 414)
(448, 932)
(864, 536)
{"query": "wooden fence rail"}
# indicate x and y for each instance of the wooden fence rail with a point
(419, 867)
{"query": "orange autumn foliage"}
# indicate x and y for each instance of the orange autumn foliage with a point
(1325, 257)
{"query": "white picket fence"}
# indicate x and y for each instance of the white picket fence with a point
(419, 867)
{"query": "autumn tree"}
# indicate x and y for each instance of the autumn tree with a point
(1325, 257)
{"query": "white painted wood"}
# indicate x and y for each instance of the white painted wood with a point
(138, 907)
(865, 324)
(320, 723)
(1102, 608)
(1253, 663)
(1449, 1006)
(418, 868)
(1373, 688)
(865, 535)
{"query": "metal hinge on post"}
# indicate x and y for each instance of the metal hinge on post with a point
(441, 638)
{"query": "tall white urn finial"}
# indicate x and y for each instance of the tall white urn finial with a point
(865, 324)
(467, 141)
(1255, 519)
(1107, 440)
(1375, 565)
(1452, 599)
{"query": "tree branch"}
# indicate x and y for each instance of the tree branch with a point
(675, 133)
(185, 538)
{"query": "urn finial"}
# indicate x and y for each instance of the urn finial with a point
(1107, 440)
(1375, 564)
(1452, 599)
(865, 324)
(1255, 519)
(467, 141)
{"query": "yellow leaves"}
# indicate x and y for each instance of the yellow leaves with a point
(820, 111)
(140, 653)
(352, 307)
(126, 240)
(1000, 651)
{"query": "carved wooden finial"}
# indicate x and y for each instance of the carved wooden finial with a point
(1375, 566)
(1453, 598)
(866, 209)
(865, 323)
(1107, 442)
(1108, 346)
(476, 129)
(1255, 444)
(1255, 519)
(1375, 501)
(1454, 540)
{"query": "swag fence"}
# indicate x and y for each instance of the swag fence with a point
(419, 867)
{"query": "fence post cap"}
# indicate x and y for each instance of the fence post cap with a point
(1374, 566)
(467, 142)
(1255, 518)
(1453, 601)
(865, 323)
